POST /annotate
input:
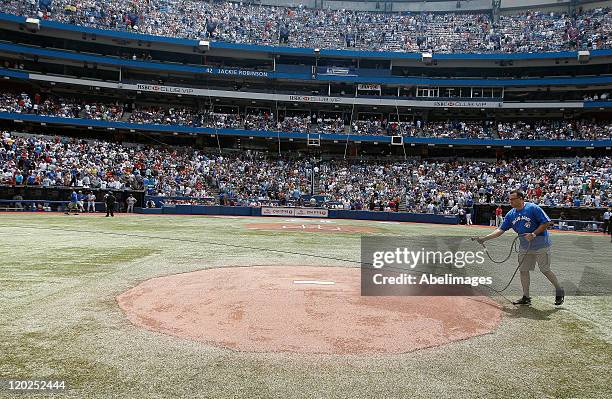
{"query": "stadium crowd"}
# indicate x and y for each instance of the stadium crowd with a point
(555, 130)
(73, 108)
(250, 178)
(303, 27)
(23, 103)
(453, 129)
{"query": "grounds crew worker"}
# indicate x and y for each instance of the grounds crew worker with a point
(109, 200)
(531, 223)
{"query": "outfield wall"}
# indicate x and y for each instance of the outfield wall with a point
(332, 213)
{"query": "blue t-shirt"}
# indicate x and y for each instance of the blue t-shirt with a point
(526, 221)
(74, 197)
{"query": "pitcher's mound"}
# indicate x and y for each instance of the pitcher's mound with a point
(301, 309)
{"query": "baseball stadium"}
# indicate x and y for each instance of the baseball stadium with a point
(305, 199)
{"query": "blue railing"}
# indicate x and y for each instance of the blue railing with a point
(597, 104)
(169, 67)
(290, 135)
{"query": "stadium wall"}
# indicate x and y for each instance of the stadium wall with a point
(67, 56)
(333, 213)
(58, 197)
(309, 99)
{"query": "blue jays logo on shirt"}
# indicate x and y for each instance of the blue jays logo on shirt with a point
(527, 220)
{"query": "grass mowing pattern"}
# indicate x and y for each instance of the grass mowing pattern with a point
(60, 320)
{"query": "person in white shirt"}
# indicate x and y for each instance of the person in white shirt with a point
(430, 208)
(91, 202)
(130, 203)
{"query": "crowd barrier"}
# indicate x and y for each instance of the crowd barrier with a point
(67, 56)
(483, 213)
(180, 209)
(328, 137)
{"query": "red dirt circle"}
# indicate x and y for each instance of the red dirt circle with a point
(301, 309)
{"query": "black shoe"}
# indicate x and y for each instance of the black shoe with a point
(560, 297)
(525, 300)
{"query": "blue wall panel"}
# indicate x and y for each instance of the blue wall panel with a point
(333, 213)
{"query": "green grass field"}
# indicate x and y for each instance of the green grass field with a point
(59, 276)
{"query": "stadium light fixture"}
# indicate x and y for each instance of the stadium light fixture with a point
(397, 140)
(32, 24)
(204, 45)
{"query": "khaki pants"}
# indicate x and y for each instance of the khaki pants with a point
(528, 260)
